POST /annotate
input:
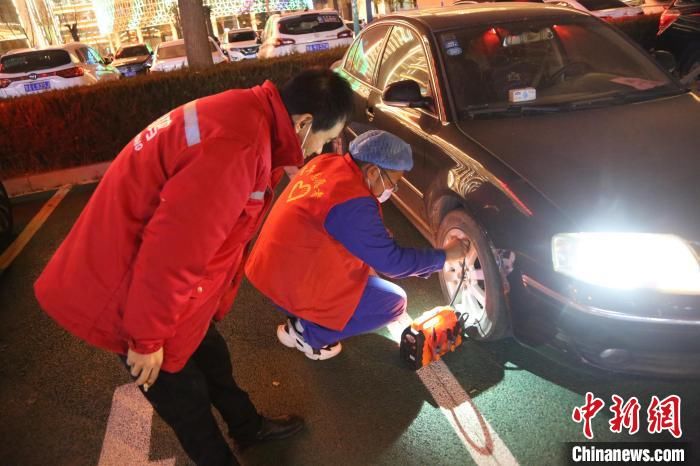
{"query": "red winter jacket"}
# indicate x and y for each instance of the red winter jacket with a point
(159, 249)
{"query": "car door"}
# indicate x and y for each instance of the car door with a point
(360, 71)
(406, 58)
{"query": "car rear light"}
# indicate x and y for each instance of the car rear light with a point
(281, 42)
(667, 19)
(344, 34)
(74, 72)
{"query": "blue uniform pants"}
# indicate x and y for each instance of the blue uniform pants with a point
(382, 302)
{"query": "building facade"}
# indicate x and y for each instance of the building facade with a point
(27, 23)
(109, 24)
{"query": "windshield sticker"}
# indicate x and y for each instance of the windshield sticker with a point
(638, 83)
(454, 51)
(525, 94)
(451, 45)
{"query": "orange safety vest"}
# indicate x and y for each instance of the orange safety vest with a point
(295, 262)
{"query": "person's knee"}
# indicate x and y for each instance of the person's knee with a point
(399, 303)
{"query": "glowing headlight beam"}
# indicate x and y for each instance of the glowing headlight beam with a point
(659, 262)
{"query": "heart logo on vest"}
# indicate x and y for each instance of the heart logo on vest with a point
(299, 190)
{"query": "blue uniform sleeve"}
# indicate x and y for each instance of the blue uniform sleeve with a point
(358, 225)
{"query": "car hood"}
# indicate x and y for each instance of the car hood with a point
(130, 60)
(628, 167)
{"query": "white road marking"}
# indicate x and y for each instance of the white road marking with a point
(128, 436)
(482, 442)
(23, 239)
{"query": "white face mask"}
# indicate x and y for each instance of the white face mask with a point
(386, 194)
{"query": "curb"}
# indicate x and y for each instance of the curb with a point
(52, 180)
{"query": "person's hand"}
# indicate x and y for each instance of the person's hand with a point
(456, 250)
(145, 367)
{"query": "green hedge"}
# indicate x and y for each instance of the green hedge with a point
(92, 124)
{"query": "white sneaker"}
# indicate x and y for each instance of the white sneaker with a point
(290, 335)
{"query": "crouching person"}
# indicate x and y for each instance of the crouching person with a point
(318, 251)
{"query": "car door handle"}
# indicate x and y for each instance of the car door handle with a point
(370, 113)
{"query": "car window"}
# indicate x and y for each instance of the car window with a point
(596, 5)
(27, 62)
(241, 36)
(404, 58)
(133, 51)
(545, 62)
(366, 53)
(310, 24)
(94, 58)
(82, 54)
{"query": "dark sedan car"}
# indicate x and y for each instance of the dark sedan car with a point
(679, 33)
(133, 60)
(566, 156)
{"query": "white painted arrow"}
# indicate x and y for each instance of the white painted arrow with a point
(128, 436)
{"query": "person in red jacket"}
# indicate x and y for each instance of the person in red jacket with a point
(318, 253)
(158, 252)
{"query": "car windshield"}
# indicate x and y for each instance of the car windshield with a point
(241, 36)
(311, 23)
(545, 63)
(130, 52)
(27, 62)
(177, 51)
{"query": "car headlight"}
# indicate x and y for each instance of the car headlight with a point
(628, 261)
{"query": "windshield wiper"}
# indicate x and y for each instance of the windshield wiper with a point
(624, 97)
(511, 110)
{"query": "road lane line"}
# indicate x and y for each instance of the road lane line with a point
(128, 437)
(477, 435)
(23, 239)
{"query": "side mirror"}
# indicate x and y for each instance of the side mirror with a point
(666, 60)
(405, 94)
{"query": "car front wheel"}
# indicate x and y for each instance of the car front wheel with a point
(481, 293)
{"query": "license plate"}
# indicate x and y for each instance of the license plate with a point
(317, 47)
(41, 86)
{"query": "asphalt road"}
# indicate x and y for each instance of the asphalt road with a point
(361, 408)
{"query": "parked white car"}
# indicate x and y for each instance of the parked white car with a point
(302, 32)
(601, 8)
(242, 44)
(172, 55)
(30, 71)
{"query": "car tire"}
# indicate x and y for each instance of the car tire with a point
(482, 293)
(6, 224)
